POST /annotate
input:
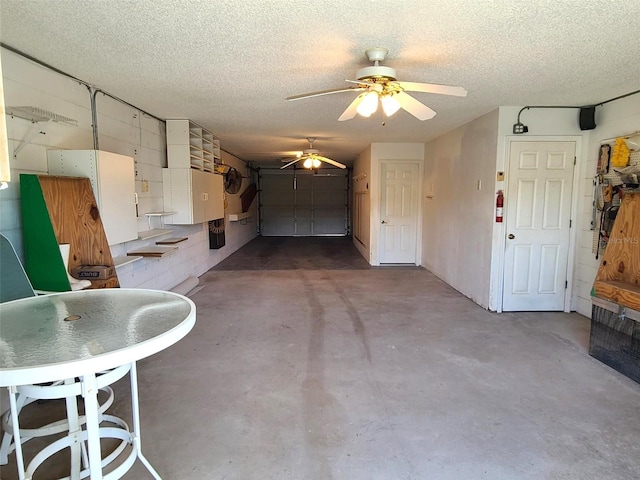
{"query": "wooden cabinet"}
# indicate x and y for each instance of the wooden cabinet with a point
(194, 195)
(112, 178)
(191, 146)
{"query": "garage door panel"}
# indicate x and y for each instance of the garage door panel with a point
(303, 205)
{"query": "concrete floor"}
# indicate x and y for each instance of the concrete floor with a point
(307, 364)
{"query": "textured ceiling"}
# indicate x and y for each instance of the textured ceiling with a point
(229, 64)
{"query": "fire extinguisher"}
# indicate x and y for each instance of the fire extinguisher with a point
(499, 206)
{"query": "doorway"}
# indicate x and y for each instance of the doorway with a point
(398, 212)
(538, 225)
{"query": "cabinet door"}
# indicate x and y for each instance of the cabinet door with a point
(116, 183)
(200, 195)
(215, 202)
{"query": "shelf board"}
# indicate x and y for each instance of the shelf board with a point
(151, 251)
(156, 232)
(159, 214)
(171, 241)
(623, 293)
(124, 260)
(236, 217)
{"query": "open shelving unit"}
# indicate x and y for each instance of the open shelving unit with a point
(191, 146)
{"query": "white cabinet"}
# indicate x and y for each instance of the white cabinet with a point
(195, 196)
(112, 177)
(191, 146)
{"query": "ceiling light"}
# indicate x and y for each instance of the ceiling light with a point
(389, 104)
(311, 163)
(368, 105)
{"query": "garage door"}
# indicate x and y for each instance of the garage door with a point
(301, 203)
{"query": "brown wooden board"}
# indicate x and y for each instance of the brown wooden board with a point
(618, 277)
(74, 216)
(171, 241)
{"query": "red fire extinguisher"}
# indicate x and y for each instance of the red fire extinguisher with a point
(499, 206)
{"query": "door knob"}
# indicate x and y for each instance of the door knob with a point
(383, 221)
(511, 236)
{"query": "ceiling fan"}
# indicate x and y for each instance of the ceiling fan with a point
(311, 158)
(379, 83)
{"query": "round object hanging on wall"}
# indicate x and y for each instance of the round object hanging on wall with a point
(232, 181)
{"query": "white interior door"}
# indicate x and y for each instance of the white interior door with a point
(538, 209)
(398, 212)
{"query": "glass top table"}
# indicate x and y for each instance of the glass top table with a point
(80, 335)
(64, 335)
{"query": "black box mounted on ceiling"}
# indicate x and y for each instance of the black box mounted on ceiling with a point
(587, 118)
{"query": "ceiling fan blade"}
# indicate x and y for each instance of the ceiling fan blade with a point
(291, 163)
(351, 110)
(322, 92)
(368, 85)
(330, 162)
(433, 88)
(414, 107)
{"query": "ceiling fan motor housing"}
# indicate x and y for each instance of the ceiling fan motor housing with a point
(376, 71)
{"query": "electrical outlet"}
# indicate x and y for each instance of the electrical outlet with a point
(145, 186)
(519, 128)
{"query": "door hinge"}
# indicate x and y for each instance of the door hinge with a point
(574, 160)
(570, 223)
(566, 284)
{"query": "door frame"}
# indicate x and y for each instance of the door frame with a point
(376, 205)
(573, 230)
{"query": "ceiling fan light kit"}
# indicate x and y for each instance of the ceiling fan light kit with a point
(389, 104)
(379, 84)
(311, 158)
(368, 104)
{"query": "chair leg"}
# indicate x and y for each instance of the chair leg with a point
(6, 447)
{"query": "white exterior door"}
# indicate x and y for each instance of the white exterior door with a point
(538, 209)
(398, 212)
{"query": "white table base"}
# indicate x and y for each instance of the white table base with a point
(84, 444)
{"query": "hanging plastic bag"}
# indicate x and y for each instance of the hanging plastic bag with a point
(620, 154)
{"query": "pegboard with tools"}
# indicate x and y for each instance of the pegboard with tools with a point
(617, 173)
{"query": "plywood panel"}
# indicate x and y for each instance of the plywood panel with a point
(618, 277)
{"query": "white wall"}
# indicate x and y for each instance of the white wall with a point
(458, 206)
(122, 130)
